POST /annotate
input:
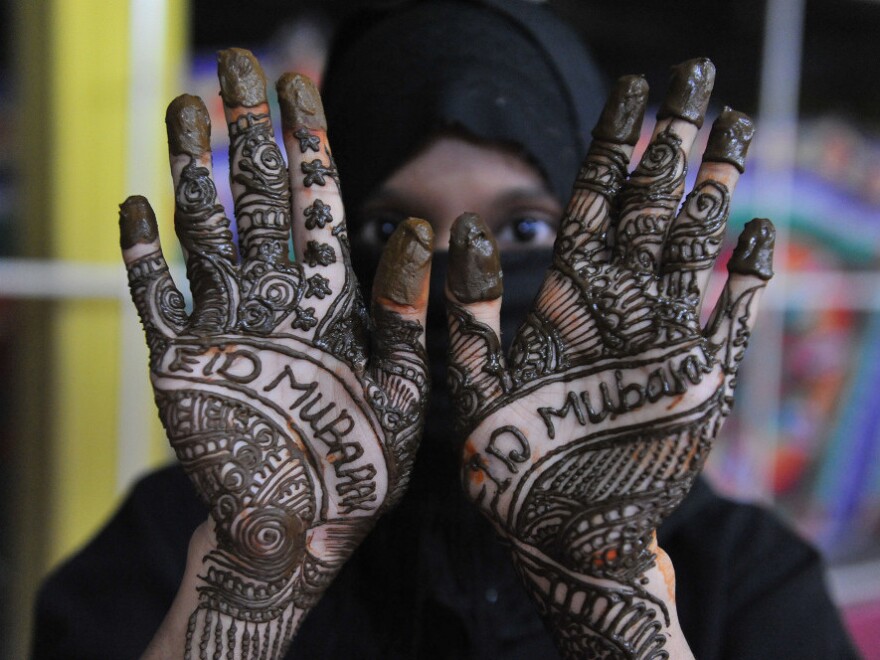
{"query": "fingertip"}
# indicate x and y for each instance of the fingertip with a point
(730, 138)
(404, 270)
(189, 126)
(300, 103)
(689, 90)
(753, 254)
(137, 223)
(621, 119)
(242, 81)
(474, 273)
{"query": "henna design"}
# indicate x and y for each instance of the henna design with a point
(307, 141)
(346, 326)
(160, 305)
(610, 354)
(319, 254)
(317, 286)
(649, 201)
(203, 231)
(315, 171)
(581, 239)
(262, 208)
(317, 215)
(293, 438)
(592, 430)
(694, 240)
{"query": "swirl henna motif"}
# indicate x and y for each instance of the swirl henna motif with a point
(593, 429)
(297, 427)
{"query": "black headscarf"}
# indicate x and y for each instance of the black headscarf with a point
(507, 71)
(503, 71)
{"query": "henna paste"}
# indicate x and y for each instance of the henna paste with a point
(300, 103)
(689, 89)
(189, 126)
(474, 263)
(730, 139)
(242, 81)
(137, 222)
(592, 430)
(753, 254)
(283, 426)
(402, 274)
(621, 119)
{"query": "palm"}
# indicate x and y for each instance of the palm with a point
(592, 429)
(286, 429)
(295, 415)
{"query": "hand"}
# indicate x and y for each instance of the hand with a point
(294, 430)
(595, 427)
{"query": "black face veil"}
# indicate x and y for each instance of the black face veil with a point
(503, 71)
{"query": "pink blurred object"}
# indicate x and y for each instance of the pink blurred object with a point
(863, 622)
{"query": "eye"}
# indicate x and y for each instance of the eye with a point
(527, 229)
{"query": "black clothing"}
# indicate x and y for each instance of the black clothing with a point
(432, 582)
(501, 71)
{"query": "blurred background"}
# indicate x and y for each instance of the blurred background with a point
(83, 88)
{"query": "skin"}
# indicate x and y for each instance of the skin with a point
(454, 175)
(296, 430)
(506, 405)
(593, 428)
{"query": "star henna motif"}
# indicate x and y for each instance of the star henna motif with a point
(317, 215)
(317, 286)
(307, 140)
(305, 319)
(315, 172)
(319, 254)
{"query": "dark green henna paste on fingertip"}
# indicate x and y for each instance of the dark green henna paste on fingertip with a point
(621, 120)
(730, 138)
(474, 261)
(242, 81)
(137, 222)
(402, 272)
(189, 126)
(689, 91)
(753, 254)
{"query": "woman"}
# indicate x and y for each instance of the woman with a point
(433, 111)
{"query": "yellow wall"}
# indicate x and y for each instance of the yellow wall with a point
(78, 130)
(92, 103)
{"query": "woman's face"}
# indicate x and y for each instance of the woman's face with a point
(453, 175)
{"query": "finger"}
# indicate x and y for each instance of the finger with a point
(257, 174)
(580, 241)
(399, 363)
(651, 196)
(200, 223)
(159, 304)
(400, 286)
(750, 268)
(697, 232)
(319, 220)
(474, 285)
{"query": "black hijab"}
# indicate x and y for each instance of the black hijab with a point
(506, 71)
(509, 72)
